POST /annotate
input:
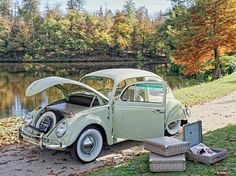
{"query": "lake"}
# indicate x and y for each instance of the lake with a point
(14, 79)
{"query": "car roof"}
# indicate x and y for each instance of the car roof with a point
(120, 74)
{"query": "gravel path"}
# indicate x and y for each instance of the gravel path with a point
(217, 113)
(25, 159)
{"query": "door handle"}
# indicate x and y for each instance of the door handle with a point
(159, 110)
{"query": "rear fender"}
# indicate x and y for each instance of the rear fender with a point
(177, 113)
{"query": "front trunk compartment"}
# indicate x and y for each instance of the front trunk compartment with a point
(49, 116)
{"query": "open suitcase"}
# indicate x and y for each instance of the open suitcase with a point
(193, 134)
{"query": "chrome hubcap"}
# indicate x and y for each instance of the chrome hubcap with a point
(173, 125)
(88, 144)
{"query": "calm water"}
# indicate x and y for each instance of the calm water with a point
(14, 79)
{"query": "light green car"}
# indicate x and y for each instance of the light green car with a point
(107, 106)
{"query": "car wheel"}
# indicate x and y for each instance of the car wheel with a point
(173, 128)
(88, 145)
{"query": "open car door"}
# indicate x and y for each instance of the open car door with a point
(139, 113)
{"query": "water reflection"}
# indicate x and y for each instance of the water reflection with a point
(14, 79)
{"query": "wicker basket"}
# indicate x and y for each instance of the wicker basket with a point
(166, 146)
(159, 163)
(193, 134)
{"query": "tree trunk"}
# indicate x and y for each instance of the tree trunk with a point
(217, 73)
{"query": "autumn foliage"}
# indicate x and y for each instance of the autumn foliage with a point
(208, 31)
(31, 31)
(9, 130)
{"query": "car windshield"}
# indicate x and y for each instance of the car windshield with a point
(101, 84)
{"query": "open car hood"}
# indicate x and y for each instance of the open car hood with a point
(45, 83)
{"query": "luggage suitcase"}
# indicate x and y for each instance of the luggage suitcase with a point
(159, 163)
(166, 146)
(193, 134)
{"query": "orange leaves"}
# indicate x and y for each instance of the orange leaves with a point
(9, 130)
(212, 25)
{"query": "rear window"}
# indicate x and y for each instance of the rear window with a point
(101, 84)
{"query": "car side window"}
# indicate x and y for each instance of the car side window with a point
(145, 92)
(129, 81)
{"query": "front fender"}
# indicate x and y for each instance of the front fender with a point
(75, 126)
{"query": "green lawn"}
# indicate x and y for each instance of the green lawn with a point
(206, 91)
(222, 138)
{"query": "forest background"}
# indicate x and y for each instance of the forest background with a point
(197, 36)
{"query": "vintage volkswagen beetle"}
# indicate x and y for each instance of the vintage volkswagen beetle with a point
(106, 106)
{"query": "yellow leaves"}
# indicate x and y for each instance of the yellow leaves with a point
(122, 42)
(9, 130)
(5, 24)
(121, 31)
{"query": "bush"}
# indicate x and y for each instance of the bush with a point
(227, 65)
(27, 57)
(175, 69)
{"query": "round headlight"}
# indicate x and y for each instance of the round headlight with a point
(28, 119)
(61, 129)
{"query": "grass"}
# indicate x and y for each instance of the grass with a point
(222, 138)
(206, 91)
(9, 130)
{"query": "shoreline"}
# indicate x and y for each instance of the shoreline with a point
(87, 59)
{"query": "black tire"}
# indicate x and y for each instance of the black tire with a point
(88, 145)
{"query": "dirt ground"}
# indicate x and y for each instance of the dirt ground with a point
(30, 160)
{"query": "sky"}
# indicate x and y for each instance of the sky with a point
(153, 6)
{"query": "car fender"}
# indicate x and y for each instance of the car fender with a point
(175, 113)
(76, 126)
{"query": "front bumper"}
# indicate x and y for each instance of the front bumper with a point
(40, 140)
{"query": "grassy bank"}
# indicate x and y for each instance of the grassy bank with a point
(206, 91)
(140, 165)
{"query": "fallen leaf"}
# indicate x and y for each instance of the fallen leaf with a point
(222, 173)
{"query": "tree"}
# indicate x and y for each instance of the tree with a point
(121, 32)
(30, 12)
(5, 7)
(30, 8)
(142, 29)
(129, 11)
(160, 40)
(210, 32)
(76, 5)
(100, 12)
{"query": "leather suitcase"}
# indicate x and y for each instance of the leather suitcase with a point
(166, 146)
(159, 163)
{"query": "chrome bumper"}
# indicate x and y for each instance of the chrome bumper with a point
(40, 140)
